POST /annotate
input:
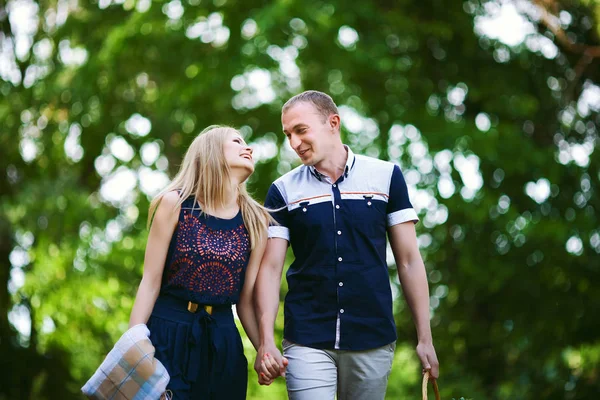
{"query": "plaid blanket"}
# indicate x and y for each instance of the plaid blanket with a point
(129, 371)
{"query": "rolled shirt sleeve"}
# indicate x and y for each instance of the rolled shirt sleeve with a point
(278, 207)
(399, 208)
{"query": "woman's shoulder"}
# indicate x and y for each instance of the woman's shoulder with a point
(171, 198)
(169, 203)
(167, 209)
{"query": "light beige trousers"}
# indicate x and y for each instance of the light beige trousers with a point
(315, 374)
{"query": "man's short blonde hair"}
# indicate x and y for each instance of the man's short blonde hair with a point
(322, 102)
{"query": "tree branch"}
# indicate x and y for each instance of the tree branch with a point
(549, 20)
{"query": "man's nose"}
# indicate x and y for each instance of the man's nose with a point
(295, 142)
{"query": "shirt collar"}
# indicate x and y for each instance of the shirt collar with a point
(349, 165)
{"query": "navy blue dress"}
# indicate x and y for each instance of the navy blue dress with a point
(206, 264)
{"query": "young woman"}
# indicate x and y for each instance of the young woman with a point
(207, 237)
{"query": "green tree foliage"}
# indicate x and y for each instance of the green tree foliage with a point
(497, 139)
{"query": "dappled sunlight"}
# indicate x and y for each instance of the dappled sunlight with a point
(23, 15)
(483, 123)
(104, 164)
(208, 30)
(254, 89)
(150, 152)
(574, 245)
(265, 148)
(152, 181)
(595, 241)
(468, 167)
(118, 188)
(589, 101)
(120, 149)
(347, 37)
(72, 56)
(286, 57)
(20, 318)
(577, 153)
(362, 132)
(503, 21)
(538, 191)
(138, 125)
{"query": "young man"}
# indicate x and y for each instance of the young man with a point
(335, 211)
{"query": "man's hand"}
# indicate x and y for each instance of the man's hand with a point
(269, 364)
(428, 358)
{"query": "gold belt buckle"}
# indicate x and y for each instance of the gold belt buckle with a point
(193, 307)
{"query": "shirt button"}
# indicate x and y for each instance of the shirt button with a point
(337, 206)
(339, 258)
(334, 185)
(304, 209)
(369, 203)
(342, 311)
(341, 283)
(339, 232)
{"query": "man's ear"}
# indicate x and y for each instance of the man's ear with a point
(334, 122)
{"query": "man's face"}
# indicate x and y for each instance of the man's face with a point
(309, 133)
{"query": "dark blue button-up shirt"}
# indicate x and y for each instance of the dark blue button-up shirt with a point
(339, 291)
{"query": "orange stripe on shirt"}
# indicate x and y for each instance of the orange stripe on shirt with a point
(310, 198)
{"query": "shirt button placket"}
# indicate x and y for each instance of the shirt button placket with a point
(337, 198)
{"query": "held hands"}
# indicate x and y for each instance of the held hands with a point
(428, 358)
(270, 369)
(269, 364)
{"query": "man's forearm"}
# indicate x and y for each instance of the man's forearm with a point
(416, 291)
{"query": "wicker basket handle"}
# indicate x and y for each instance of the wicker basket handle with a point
(426, 378)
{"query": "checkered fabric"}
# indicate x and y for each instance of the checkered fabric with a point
(129, 371)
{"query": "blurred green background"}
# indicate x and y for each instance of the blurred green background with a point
(491, 108)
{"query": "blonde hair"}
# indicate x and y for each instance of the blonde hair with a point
(205, 174)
